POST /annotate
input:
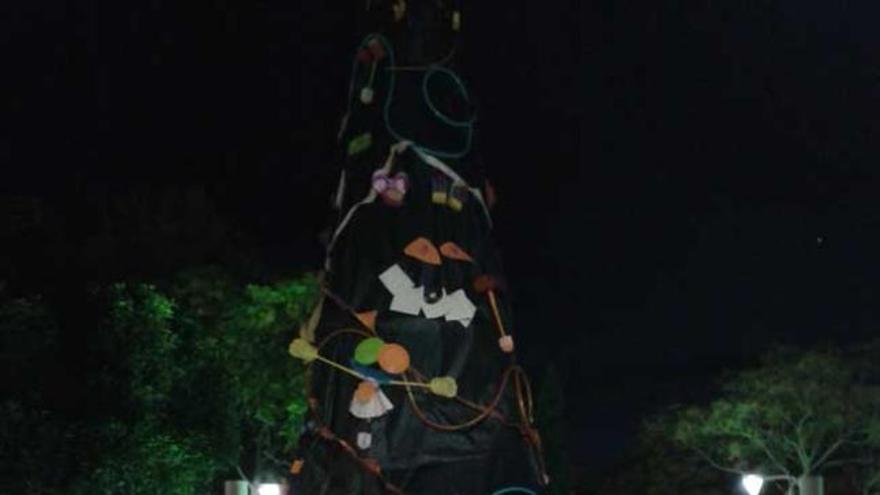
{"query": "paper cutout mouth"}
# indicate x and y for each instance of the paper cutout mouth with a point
(411, 300)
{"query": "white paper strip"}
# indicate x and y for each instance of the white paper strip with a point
(364, 440)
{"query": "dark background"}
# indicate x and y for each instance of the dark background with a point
(682, 184)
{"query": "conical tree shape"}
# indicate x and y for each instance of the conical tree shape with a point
(434, 403)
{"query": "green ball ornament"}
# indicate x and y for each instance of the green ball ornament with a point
(367, 352)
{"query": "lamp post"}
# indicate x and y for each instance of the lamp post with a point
(753, 483)
(269, 489)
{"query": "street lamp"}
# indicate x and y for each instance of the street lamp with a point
(753, 483)
(269, 489)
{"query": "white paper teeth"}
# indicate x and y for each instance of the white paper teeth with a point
(376, 407)
(409, 299)
(436, 309)
(459, 308)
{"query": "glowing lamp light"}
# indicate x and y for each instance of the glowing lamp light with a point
(753, 483)
(269, 489)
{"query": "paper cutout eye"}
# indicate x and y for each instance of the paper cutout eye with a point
(367, 319)
(394, 359)
(458, 196)
(453, 252)
(423, 250)
(439, 189)
(367, 352)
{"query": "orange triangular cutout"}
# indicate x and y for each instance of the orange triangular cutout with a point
(423, 250)
(368, 319)
(452, 251)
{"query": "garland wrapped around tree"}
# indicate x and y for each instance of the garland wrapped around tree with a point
(414, 387)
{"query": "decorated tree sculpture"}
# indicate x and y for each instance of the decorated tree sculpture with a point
(413, 384)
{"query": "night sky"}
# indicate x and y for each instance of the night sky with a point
(682, 184)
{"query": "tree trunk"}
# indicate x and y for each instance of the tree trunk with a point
(811, 485)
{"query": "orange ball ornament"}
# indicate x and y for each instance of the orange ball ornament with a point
(393, 358)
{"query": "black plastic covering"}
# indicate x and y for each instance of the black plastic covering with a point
(500, 453)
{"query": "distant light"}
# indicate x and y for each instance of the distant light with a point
(753, 483)
(269, 489)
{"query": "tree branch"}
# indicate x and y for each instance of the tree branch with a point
(714, 464)
(274, 459)
(845, 462)
(800, 453)
(833, 448)
(873, 480)
(771, 456)
(244, 477)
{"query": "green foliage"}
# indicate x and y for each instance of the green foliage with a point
(796, 413)
(142, 342)
(187, 384)
(149, 458)
(245, 343)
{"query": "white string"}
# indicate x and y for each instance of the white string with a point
(396, 149)
(340, 191)
(429, 160)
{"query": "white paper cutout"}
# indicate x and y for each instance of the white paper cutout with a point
(409, 299)
(459, 308)
(377, 406)
(364, 440)
(395, 279)
(435, 310)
